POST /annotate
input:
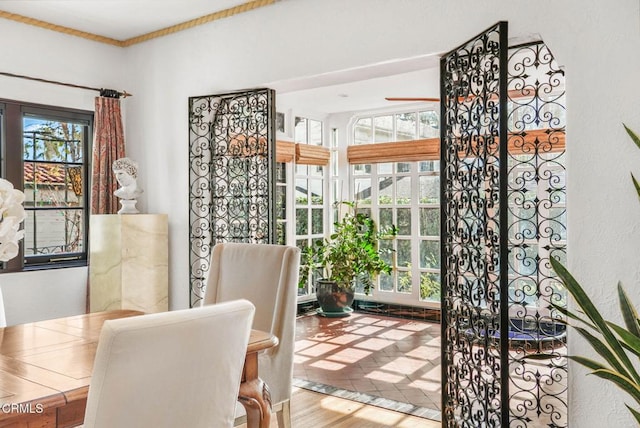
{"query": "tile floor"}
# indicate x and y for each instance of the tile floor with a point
(391, 362)
(394, 363)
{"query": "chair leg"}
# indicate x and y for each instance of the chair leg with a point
(284, 414)
(240, 420)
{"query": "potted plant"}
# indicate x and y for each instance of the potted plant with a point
(350, 254)
(613, 342)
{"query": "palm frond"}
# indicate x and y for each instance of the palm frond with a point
(629, 313)
(633, 135)
(609, 340)
(594, 315)
(629, 339)
(628, 385)
(636, 184)
(571, 315)
(589, 363)
(635, 413)
(603, 350)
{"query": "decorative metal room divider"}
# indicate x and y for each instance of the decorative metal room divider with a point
(503, 216)
(231, 175)
(536, 230)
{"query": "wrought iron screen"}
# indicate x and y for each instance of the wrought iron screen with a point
(503, 216)
(536, 231)
(231, 175)
(473, 97)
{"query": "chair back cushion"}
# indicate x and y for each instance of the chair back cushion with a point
(170, 369)
(266, 275)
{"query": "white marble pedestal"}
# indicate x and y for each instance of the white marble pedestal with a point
(128, 206)
(128, 262)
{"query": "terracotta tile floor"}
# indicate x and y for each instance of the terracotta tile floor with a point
(375, 356)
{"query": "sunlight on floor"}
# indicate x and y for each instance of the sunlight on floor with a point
(383, 376)
(389, 358)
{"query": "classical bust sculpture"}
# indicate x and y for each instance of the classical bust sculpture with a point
(126, 172)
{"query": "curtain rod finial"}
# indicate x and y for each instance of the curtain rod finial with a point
(112, 93)
(109, 93)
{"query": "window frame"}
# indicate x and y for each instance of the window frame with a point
(309, 173)
(12, 114)
(411, 153)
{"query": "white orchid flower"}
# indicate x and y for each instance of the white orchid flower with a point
(12, 214)
(8, 250)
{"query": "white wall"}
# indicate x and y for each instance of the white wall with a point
(41, 53)
(31, 51)
(597, 41)
(41, 295)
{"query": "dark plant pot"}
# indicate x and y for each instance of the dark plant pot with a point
(334, 300)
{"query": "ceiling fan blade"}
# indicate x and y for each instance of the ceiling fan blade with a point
(435, 100)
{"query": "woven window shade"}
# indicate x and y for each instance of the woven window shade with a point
(543, 140)
(530, 142)
(401, 151)
(285, 151)
(307, 154)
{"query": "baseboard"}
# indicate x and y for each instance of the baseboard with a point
(368, 399)
(378, 308)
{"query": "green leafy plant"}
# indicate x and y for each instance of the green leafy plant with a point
(429, 285)
(351, 252)
(636, 140)
(612, 342)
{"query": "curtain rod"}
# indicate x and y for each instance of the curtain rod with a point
(109, 93)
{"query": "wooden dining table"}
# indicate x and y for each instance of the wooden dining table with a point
(46, 366)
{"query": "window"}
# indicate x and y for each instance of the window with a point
(309, 192)
(406, 194)
(308, 131)
(336, 190)
(281, 203)
(45, 155)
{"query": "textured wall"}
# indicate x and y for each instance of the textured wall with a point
(597, 41)
(40, 53)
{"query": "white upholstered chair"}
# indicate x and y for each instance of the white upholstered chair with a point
(171, 369)
(3, 319)
(267, 275)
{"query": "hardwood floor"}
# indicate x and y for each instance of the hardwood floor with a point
(314, 410)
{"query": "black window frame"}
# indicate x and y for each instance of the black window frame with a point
(12, 114)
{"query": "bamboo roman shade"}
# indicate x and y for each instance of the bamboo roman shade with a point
(307, 154)
(542, 140)
(304, 154)
(401, 151)
(285, 151)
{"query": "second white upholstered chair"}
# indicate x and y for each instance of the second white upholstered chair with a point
(267, 275)
(171, 369)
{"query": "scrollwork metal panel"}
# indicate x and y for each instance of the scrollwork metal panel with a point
(503, 217)
(537, 231)
(473, 95)
(231, 175)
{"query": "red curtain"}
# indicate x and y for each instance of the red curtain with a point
(108, 145)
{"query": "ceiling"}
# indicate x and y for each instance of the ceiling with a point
(120, 21)
(364, 88)
(116, 19)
